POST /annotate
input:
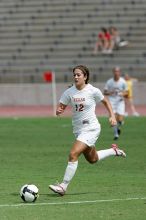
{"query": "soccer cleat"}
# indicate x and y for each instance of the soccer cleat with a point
(57, 189)
(119, 131)
(118, 151)
(116, 138)
(136, 114)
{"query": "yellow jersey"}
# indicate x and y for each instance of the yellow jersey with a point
(129, 86)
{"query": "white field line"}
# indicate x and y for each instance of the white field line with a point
(68, 203)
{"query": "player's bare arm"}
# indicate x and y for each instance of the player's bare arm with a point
(60, 109)
(123, 93)
(107, 92)
(108, 106)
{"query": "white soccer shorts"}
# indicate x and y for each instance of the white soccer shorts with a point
(88, 137)
(118, 107)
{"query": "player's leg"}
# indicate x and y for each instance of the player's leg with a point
(90, 153)
(127, 106)
(117, 128)
(71, 168)
(92, 156)
(120, 112)
(133, 109)
(77, 149)
(114, 105)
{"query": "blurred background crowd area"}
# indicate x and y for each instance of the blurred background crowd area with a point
(56, 35)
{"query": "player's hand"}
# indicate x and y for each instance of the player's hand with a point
(112, 121)
(59, 111)
(120, 94)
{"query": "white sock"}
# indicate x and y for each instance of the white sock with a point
(69, 173)
(102, 154)
(115, 131)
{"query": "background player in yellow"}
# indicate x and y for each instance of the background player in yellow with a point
(129, 99)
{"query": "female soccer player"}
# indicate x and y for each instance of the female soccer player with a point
(83, 98)
(129, 99)
(116, 89)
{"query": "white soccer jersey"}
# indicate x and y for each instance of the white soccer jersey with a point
(83, 104)
(116, 100)
(116, 87)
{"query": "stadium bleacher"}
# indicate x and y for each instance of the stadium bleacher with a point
(58, 34)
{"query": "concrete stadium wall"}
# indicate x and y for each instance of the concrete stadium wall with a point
(41, 94)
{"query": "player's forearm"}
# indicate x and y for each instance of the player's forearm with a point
(106, 92)
(125, 94)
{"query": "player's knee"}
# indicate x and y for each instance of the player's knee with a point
(93, 160)
(73, 156)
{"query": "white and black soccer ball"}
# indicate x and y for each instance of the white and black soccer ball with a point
(29, 193)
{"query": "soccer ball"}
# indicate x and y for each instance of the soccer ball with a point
(29, 193)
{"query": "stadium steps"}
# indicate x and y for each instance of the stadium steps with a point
(39, 35)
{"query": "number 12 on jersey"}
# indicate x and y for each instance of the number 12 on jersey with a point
(79, 107)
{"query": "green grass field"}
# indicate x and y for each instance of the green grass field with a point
(36, 151)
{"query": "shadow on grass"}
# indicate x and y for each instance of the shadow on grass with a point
(57, 195)
(72, 194)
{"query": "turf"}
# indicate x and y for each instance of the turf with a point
(35, 150)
